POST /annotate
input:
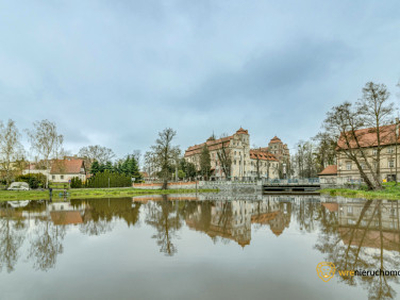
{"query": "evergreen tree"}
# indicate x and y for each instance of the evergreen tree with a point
(109, 179)
(190, 170)
(95, 168)
(109, 167)
(205, 162)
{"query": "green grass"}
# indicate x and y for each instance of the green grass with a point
(390, 192)
(58, 185)
(91, 193)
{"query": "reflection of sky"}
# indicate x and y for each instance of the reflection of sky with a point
(125, 263)
(117, 72)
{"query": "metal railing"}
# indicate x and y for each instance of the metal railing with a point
(292, 181)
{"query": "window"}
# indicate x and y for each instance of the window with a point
(61, 177)
(348, 166)
(391, 163)
(374, 151)
(390, 150)
(53, 177)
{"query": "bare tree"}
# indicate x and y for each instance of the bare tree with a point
(137, 154)
(304, 160)
(165, 153)
(150, 163)
(11, 148)
(96, 152)
(46, 141)
(344, 124)
(224, 157)
(325, 151)
(375, 111)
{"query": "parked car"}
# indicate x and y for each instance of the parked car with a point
(18, 186)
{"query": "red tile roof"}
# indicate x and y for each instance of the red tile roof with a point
(211, 144)
(262, 155)
(367, 137)
(67, 166)
(242, 131)
(378, 239)
(329, 170)
(331, 206)
(66, 217)
(275, 139)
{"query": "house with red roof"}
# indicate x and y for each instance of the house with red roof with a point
(366, 139)
(64, 170)
(328, 175)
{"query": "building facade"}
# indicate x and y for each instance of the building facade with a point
(244, 162)
(60, 170)
(389, 155)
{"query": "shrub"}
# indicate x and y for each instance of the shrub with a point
(108, 179)
(76, 183)
(34, 180)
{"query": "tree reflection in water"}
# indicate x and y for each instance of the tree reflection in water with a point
(12, 236)
(98, 214)
(363, 236)
(46, 244)
(165, 218)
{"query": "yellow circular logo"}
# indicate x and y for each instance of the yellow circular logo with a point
(326, 270)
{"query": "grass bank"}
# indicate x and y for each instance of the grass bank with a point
(390, 192)
(91, 193)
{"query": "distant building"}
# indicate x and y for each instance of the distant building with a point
(245, 162)
(60, 170)
(328, 175)
(65, 170)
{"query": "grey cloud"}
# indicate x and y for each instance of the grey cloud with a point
(117, 72)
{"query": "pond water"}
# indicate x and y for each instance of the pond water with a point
(210, 246)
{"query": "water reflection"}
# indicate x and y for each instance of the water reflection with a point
(354, 234)
(363, 235)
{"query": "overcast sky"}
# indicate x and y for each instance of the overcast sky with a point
(115, 73)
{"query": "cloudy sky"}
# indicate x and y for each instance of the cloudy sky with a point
(115, 72)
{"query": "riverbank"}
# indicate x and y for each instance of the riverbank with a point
(390, 192)
(90, 193)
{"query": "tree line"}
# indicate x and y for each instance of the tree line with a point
(46, 144)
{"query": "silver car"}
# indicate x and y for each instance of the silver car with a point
(18, 186)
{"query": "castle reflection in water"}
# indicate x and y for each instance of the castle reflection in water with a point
(224, 216)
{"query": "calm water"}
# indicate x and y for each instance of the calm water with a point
(210, 247)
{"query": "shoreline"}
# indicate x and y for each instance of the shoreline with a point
(390, 192)
(91, 193)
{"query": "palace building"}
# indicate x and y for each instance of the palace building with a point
(232, 157)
